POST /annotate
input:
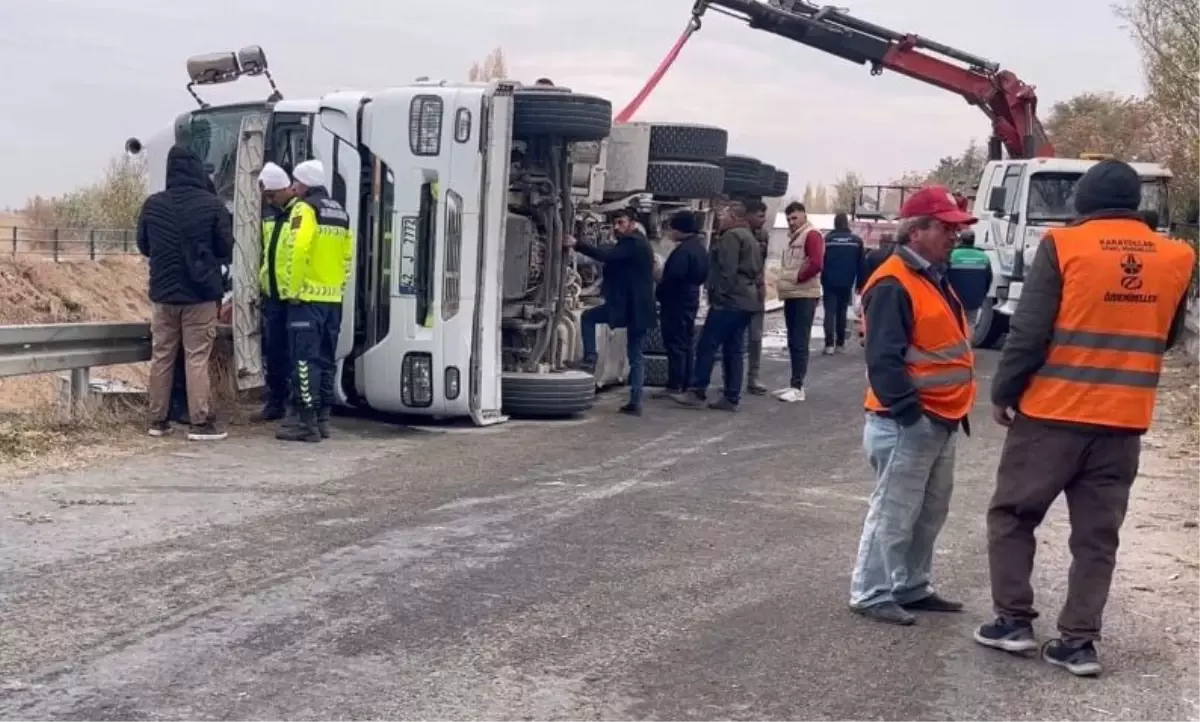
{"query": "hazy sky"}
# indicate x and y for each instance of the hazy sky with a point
(83, 75)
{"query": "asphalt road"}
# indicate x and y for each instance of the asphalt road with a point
(684, 565)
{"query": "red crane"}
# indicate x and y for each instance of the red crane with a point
(1004, 98)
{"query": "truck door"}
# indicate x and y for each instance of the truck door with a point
(335, 143)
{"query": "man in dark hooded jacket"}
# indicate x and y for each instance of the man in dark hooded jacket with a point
(185, 232)
(678, 293)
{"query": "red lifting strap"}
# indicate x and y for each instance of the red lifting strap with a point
(628, 111)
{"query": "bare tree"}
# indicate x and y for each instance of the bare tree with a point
(492, 67)
(114, 202)
(845, 192)
(1102, 123)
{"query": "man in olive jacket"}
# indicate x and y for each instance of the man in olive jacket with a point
(734, 265)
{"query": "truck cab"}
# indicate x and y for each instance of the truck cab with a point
(1016, 202)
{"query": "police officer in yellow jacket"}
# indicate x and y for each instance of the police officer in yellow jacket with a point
(276, 186)
(313, 261)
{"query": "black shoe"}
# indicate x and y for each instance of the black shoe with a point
(933, 603)
(268, 413)
(1079, 659)
(1008, 635)
(206, 432)
(303, 428)
(723, 404)
(159, 428)
(756, 388)
(588, 365)
(323, 429)
(631, 410)
(888, 613)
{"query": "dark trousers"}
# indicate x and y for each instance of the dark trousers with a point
(754, 339)
(798, 314)
(179, 404)
(836, 302)
(724, 328)
(313, 329)
(678, 324)
(635, 342)
(588, 321)
(276, 354)
(1096, 472)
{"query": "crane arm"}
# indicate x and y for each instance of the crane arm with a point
(1008, 102)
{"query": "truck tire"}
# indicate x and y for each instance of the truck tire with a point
(990, 326)
(742, 175)
(547, 396)
(766, 180)
(680, 179)
(779, 186)
(697, 143)
(656, 370)
(571, 116)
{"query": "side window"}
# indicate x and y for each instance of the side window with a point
(1012, 184)
(379, 257)
(291, 139)
(452, 262)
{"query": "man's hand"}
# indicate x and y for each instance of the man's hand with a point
(568, 241)
(1003, 415)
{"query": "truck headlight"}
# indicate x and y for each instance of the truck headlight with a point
(425, 125)
(416, 380)
(452, 380)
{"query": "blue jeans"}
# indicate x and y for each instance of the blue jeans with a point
(635, 342)
(914, 472)
(588, 321)
(724, 328)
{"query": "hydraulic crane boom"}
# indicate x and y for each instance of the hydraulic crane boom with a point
(1008, 102)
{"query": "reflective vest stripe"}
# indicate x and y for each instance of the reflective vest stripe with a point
(958, 351)
(941, 379)
(1109, 341)
(1099, 375)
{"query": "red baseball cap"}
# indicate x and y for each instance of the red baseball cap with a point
(938, 202)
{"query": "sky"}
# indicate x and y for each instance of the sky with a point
(84, 75)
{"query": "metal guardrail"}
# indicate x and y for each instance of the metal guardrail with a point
(44, 348)
(67, 244)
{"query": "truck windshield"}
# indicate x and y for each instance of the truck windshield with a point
(1052, 197)
(212, 134)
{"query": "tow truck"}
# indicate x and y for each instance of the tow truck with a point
(461, 301)
(1023, 191)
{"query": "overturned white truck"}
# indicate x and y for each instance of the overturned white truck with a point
(461, 300)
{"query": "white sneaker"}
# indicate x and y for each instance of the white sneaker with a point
(828, 351)
(791, 395)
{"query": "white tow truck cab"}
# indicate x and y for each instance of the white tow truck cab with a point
(1017, 201)
(461, 300)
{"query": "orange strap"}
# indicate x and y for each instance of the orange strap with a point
(628, 111)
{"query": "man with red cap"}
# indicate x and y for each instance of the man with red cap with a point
(920, 386)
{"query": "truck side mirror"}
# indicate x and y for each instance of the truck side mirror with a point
(997, 199)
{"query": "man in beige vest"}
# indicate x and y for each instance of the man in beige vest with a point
(799, 287)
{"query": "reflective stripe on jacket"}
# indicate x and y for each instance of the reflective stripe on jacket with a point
(939, 360)
(1121, 285)
(316, 261)
(276, 237)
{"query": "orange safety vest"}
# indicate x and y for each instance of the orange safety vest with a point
(939, 357)
(1121, 284)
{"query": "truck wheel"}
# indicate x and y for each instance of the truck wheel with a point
(547, 396)
(766, 180)
(571, 116)
(679, 179)
(742, 175)
(656, 370)
(779, 186)
(698, 143)
(990, 326)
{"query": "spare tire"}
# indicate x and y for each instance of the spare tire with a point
(677, 141)
(766, 180)
(547, 396)
(553, 112)
(779, 186)
(742, 175)
(678, 179)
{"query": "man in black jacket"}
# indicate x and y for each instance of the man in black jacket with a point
(839, 277)
(185, 232)
(734, 264)
(628, 288)
(678, 295)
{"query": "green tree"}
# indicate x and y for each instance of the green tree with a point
(1101, 123)
(112, 203)
(845, 192)
(961, 172)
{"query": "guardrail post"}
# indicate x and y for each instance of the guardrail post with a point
(125, 241)
(92, 244)
(56, 245)
(80, 388)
